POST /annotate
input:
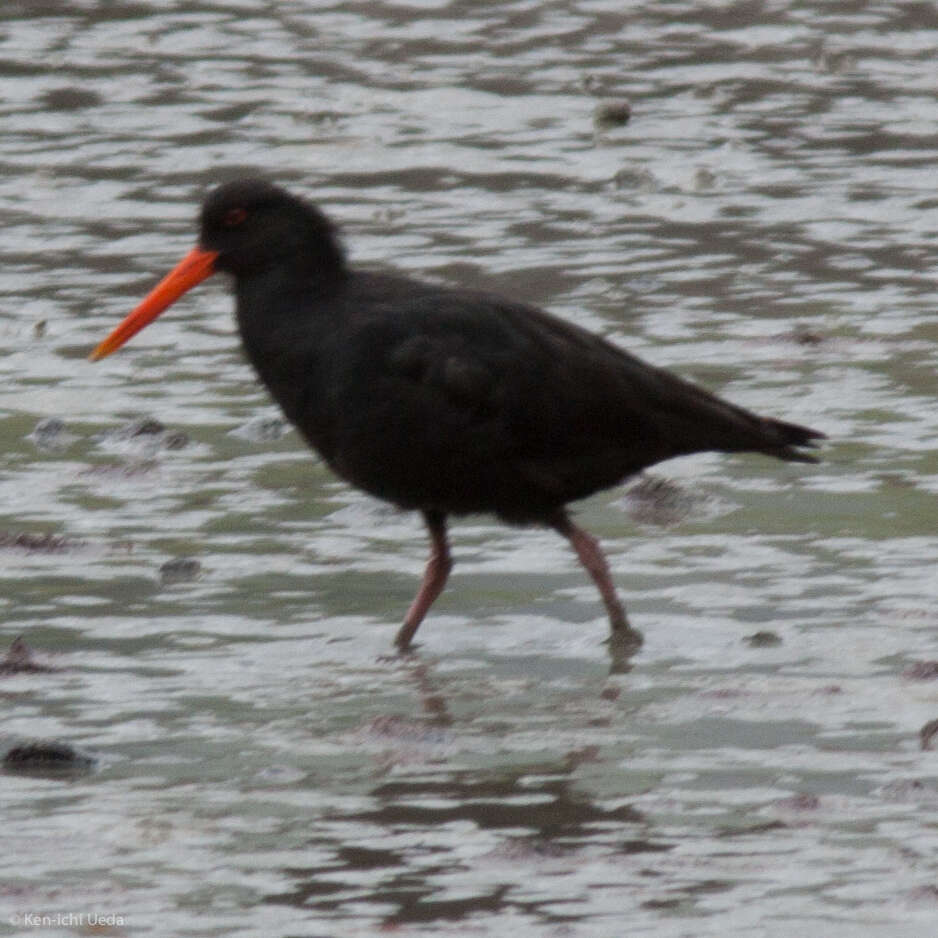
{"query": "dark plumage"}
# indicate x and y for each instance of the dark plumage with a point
(446, 401)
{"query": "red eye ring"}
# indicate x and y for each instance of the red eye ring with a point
(234, 217)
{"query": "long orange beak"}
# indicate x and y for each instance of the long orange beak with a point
(192, 269)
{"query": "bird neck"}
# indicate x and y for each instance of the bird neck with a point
(284, 312)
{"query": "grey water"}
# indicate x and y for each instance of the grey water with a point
(213, 611)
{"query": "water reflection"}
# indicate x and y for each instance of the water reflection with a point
(543, 824)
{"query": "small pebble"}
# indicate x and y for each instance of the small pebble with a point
(635, 178)
(179, 570)
(802, 335)
(146, 434)
(704, 180)
(763, 640)
(41, 757)
(70, 99)
(612, 113)
(19, 660)
(50, 436)
(145, 426)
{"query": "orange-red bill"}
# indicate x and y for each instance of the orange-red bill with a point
(192, 269)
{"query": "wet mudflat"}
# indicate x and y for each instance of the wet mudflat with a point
(207, 614)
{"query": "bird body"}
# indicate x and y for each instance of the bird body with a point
(442, 400)
(464, 402)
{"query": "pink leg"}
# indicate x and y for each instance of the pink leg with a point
(591, 556)
(434, 578)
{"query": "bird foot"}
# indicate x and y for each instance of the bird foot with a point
(623, 643)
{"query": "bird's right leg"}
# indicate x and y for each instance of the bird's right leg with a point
(434, 578)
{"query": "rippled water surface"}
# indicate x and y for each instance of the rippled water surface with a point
(211, 612)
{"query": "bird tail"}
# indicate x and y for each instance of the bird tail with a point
(787, 441)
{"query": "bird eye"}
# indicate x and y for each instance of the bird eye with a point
(234, 217)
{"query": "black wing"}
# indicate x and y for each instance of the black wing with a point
(496, 406)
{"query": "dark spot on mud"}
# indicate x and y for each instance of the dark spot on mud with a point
(895, 480)
(724, 693)
(50, 426)
(926, 733)
(800, 334)
(763, 827)
(909, 790)
(51, 436)
(179, 570)
(921, 671)
(529, 848)
(400, 729)
(615, 112)
(803, 335)
(927, 893)
(145, 426)
(149, 432)
(705, 179)
(763, 640)
(20, 659)
(42, 757)
(70, 99)
(663, 904)
(38, 543)
(637, 179)
(580, 756)
(176, 439)
(644, 846)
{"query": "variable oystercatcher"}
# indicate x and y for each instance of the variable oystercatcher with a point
(442, 400)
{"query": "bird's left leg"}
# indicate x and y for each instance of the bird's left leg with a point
(591, 556)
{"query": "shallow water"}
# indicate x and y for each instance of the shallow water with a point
(765, 224)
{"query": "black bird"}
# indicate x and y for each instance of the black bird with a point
(442, 400)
